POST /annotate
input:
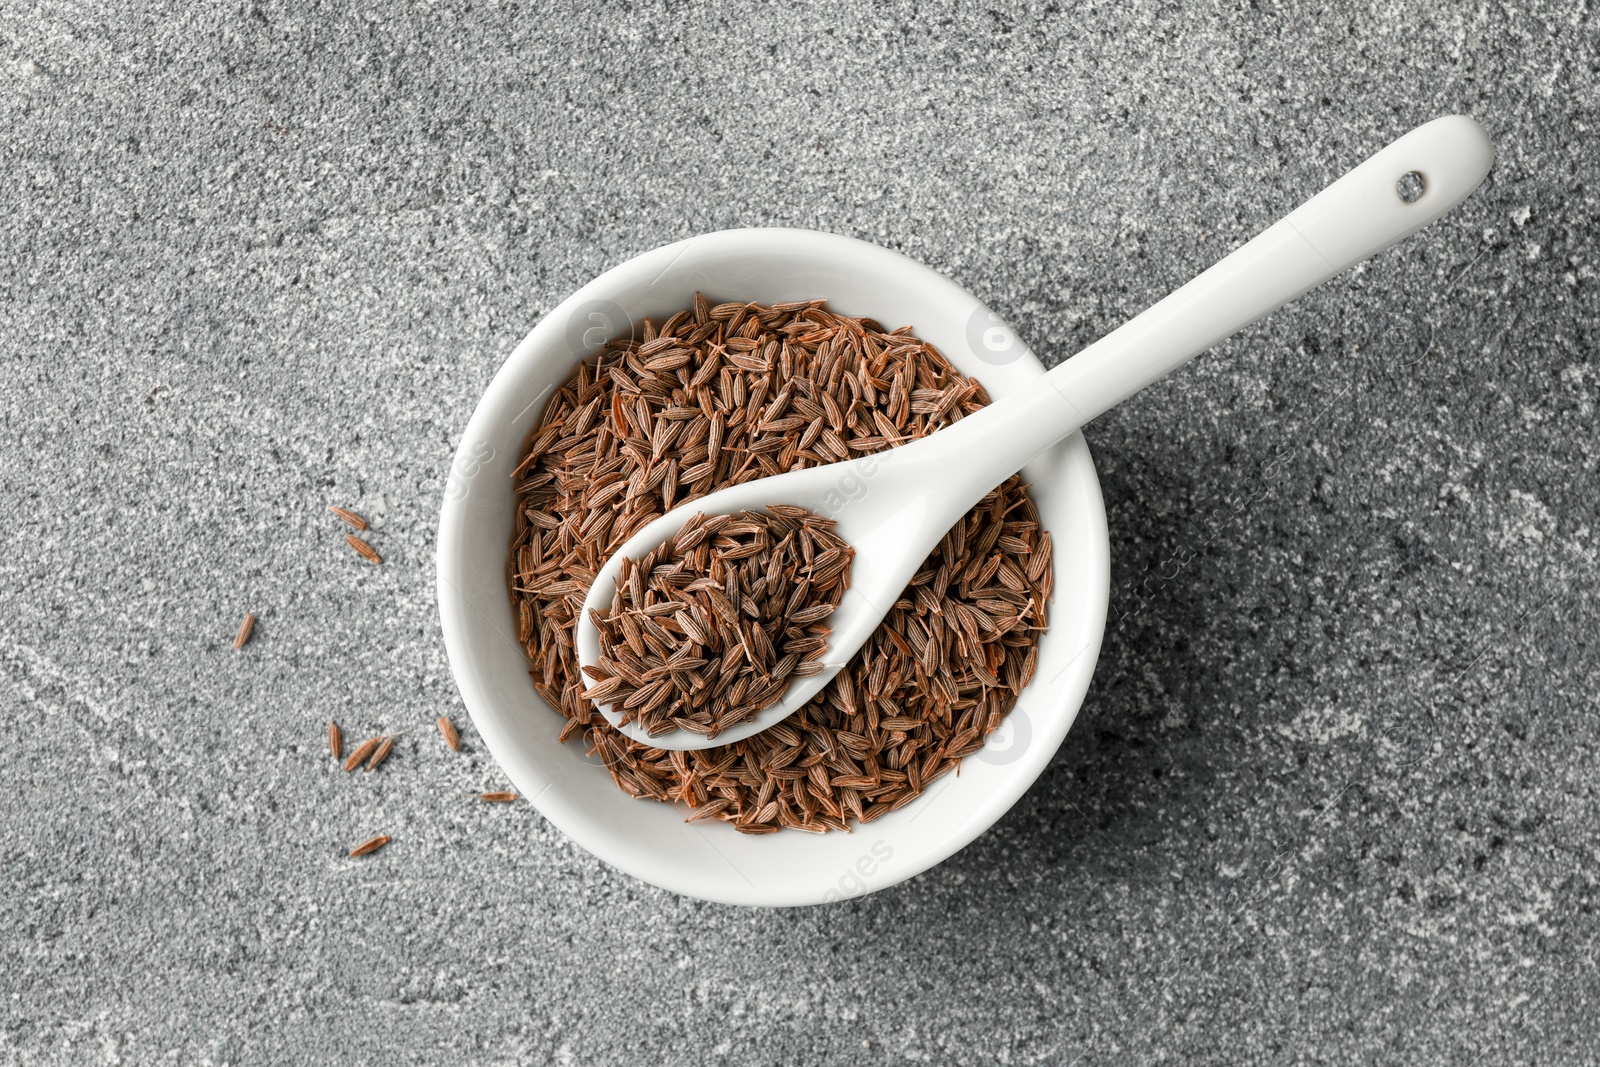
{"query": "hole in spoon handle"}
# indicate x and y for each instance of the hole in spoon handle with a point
(1357, 216)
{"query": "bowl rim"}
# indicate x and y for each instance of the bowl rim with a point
(1067, 689)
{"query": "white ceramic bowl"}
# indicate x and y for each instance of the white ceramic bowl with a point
(650, 840)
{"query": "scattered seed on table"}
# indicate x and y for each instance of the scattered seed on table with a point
(367, 848)
(363, 750)
(381, 754)
(348, 516)
(335, 740)
(448, 729)
(366, 551)
(497, 798)
(246, 628)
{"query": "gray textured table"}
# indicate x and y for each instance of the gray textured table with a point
(1332, 797)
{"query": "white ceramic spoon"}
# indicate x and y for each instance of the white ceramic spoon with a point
(895, 506)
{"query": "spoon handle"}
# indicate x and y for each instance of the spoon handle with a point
(1357, 216)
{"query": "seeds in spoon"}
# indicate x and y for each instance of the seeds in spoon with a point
(709, 628)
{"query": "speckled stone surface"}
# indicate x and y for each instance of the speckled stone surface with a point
(1332, 798)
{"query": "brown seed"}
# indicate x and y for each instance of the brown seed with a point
(365, 550)
(368, 847)
(497, 798)
(380, 754)
(335, 740)
(246, 628)
(362, 751)
(348, 516)
(448, 729)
